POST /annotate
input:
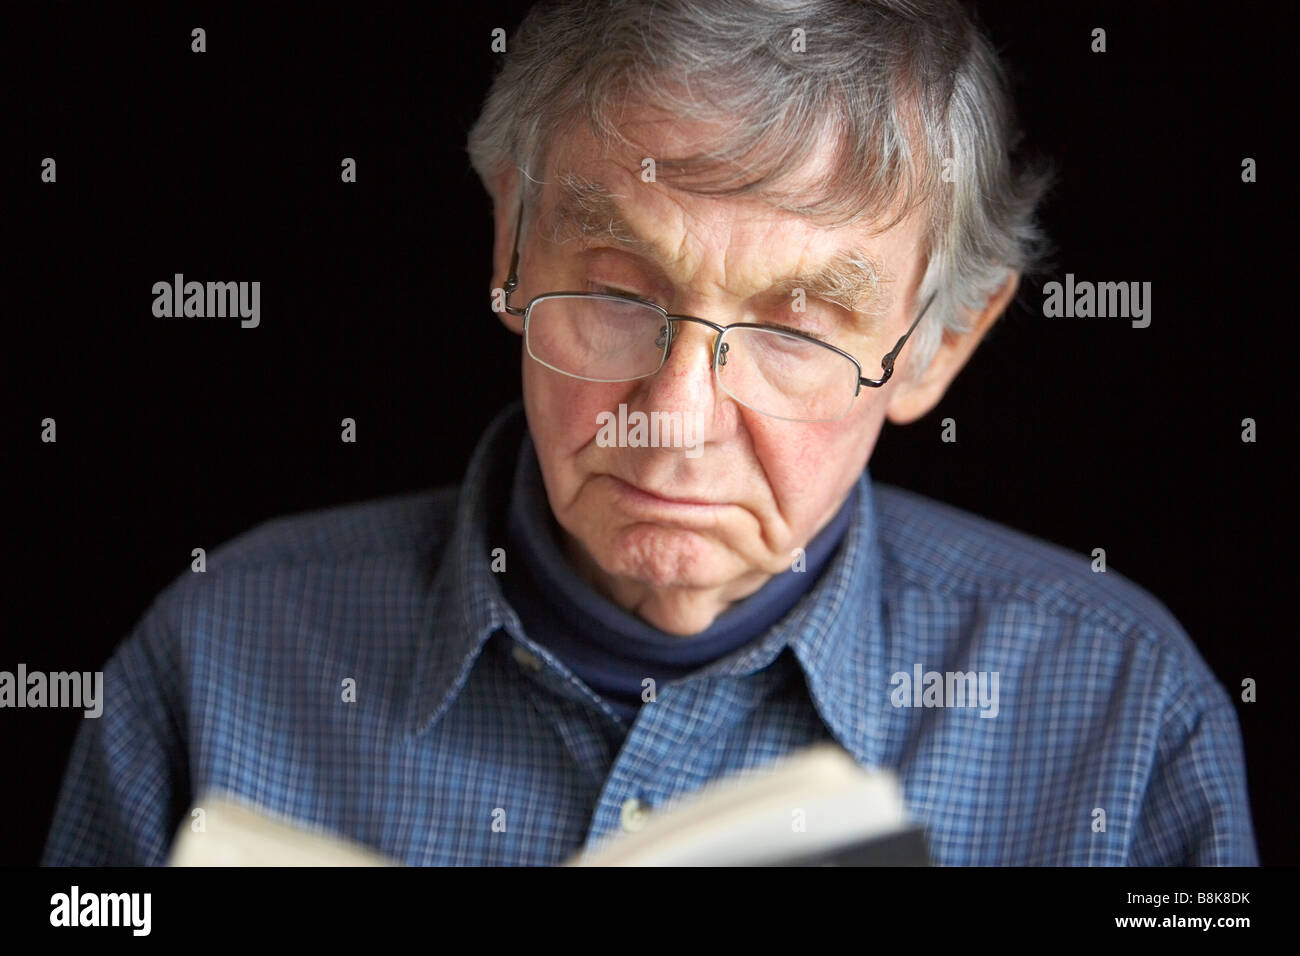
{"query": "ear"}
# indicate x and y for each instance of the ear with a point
(915, 397)
(505, 211)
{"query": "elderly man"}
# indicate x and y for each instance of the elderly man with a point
(761, 229)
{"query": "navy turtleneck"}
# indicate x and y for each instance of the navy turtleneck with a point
(608, 648)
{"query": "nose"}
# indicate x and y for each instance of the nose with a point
(685, 382)
(673, 332)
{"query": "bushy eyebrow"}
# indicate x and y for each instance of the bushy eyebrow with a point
(588, 211)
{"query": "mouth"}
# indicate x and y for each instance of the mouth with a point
(642, 499)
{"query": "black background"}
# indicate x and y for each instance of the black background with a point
(176, 434)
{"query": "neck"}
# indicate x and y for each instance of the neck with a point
(677, 610)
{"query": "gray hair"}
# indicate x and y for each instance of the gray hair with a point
(910, 93)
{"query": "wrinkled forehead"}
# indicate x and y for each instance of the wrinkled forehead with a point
(697, 156)
(650, 146)
(626, 193)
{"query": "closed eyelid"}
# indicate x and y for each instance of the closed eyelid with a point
(609, 289)
(606, 289)
(652, 276)
(803, 332)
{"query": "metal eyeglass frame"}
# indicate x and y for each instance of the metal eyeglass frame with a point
(719, 347)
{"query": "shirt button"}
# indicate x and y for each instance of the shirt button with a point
(526, 658)
(633, 815)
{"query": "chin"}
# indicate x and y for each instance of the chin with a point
(665, 557)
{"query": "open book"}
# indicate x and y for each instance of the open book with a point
(816, 807)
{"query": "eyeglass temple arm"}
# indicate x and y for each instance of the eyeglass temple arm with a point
(512, 279)
(887, 363)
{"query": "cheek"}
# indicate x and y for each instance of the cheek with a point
(808, 466)
(795, 458)
(562, 411)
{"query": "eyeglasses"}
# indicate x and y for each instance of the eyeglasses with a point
(782, 373)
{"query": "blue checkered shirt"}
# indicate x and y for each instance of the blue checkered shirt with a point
(234, 680)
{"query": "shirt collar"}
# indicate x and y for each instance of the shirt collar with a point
(835, 632)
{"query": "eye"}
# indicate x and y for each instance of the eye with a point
(789, 328)
(614, 290)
